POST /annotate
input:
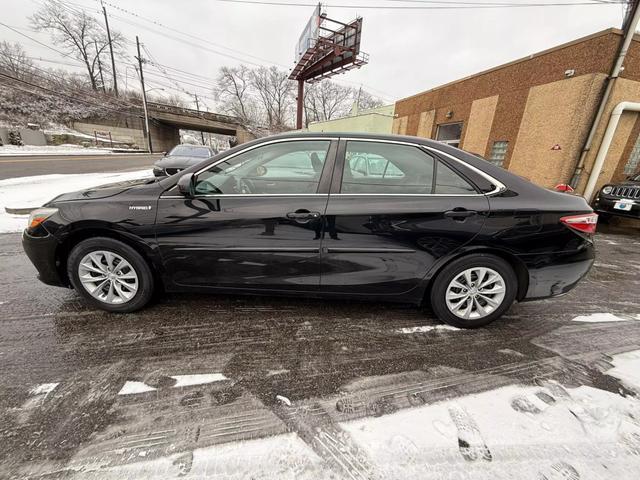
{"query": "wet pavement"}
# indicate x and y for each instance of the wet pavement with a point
(251, 387)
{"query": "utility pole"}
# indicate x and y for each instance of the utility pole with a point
(99, 67)
(147, 132)
(198, 108)
(629, 25)
(113, 61)
(300, 105)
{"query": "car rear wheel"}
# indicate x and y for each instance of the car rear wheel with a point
(110, 275)
(473, 291)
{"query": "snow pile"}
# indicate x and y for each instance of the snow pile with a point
(28, 192)
(65, 149)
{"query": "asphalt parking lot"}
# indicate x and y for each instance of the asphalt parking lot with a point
(250, 387)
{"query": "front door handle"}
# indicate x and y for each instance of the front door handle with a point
(460, 213)
(303, 215)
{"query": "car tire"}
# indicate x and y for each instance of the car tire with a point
(134, 272)
(484, 302)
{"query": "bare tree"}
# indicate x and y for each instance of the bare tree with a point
(327, 100)
(365, 100)
(79, 33)
(276, 94)
(234, 91)
(15, 62)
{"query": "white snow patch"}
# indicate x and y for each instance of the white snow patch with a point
(427, 328)
(284, 400)
(65, 149)
(43, 388)
(134, 386)
(29, 192)
(197, 379)
(605, 317)
(130, 387)
(627, 369)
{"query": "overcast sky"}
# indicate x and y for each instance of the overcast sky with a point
(410, 50)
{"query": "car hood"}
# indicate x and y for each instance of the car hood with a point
(178, 161)
(101, 191)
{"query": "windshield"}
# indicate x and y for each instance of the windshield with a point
(190, 151)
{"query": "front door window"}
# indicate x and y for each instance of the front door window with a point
(291, 167)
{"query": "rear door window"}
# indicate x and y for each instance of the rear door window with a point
(386, 168)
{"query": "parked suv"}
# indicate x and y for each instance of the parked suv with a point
(352, 216)
(181, 157)
(619, 199)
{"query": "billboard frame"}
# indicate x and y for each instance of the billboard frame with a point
(332, 47)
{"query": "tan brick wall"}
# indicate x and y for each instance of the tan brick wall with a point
(590, 57)
(400, 125)
(479, 125)
(425, 124)
(556, 113)
(624, 90)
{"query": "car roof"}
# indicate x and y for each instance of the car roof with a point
(367, 136)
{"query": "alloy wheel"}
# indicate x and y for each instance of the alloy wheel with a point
(475, 293)
(108, 277)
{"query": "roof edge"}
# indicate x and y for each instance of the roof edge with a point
(607, 31)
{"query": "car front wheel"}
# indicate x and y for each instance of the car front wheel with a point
(110, 275)
(473, 291)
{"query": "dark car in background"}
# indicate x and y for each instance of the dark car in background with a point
(346, 216)
(181, 157)
(619, 199)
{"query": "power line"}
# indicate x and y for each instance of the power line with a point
(447, 6)
(269, 62)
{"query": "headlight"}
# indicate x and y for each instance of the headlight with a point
(607, 190)
(39, 215)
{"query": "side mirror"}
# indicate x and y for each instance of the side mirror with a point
(185, 185)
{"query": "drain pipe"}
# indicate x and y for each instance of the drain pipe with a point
(630, 30)
(606, 143)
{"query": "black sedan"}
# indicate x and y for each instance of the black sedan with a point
(349, 216)
(181, 157)
(619, 199)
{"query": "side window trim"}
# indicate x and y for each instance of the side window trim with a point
(323, 183)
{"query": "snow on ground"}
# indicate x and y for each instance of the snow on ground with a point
(533, 432)
(65, 149)
(280, 457)
(29, 192)
(510, 432)
(426, 328)
(627, 369)
(605, 317)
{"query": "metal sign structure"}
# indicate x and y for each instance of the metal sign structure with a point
(326, 48)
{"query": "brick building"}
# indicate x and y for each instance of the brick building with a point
(532, 115)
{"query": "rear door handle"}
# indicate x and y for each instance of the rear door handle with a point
(303, 215)
(460, 213)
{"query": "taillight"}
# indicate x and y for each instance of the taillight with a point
(583, 223)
